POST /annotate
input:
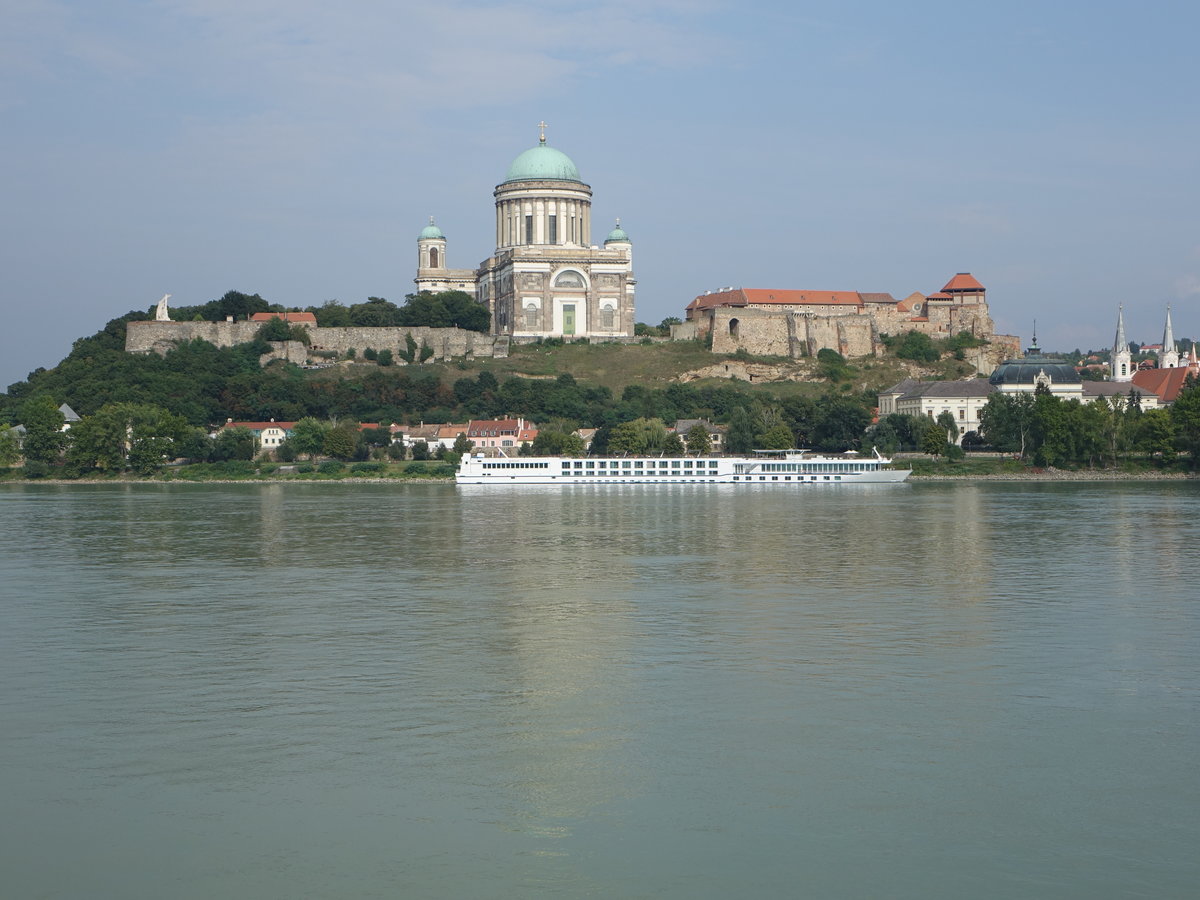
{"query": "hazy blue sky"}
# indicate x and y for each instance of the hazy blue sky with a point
(294, 148)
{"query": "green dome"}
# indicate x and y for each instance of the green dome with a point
(542, 163)
(431, 231)
(617, 234)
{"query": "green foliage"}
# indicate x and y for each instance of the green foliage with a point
(367, 469)
(448, 309)
(44, 438)
(778, 437)
(125, 436)
(307, 437)
(420, 451)
(36, 468)
(741, 437)
(233, 443)
(409, 354)
(9, 450)
(915, 345)
(1185, 420)
(698, 442)
(385, 358)
(234, 303)
(638, 437)
(832, 365)
(340, 441)
(462, 445)
(330, 467)
(274, 330)
(933, 441)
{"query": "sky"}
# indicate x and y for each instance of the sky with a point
(295, 148)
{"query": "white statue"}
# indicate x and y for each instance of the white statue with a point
(160, 314)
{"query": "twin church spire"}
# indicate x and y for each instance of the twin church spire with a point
(1122, 359)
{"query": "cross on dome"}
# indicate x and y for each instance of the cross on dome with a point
(542, 126)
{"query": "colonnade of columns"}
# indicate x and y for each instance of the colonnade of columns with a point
(572, 221)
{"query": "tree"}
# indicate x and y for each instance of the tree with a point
(44, 438)
(918, 346)
(741, 436)
(934, 440)
(340, 441)
(1005, 421)
(779, 437)
(698, 441)
(673, 445)
(841, 424)
(638, 437)
(1185, 419)
(462, 445)
(10, 452)
(120, 436)
(946, 420)
(233, 443)
(308, 437)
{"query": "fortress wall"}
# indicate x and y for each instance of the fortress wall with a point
(760, 332)
(447, 343)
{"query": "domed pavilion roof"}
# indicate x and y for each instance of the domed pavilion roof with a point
(1026, 370)
(542, 163)
(431, 231)
(617, 235)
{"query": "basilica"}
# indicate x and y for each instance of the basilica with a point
(546, 278)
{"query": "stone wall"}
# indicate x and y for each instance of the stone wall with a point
(794, 335)
(764, 332)
(447, 343)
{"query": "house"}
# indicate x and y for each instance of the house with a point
(268, 434)
(716, 433)
(500, 434)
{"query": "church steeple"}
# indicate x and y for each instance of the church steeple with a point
(1168, 356)
(1122, 359)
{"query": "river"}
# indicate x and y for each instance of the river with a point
(416, 690)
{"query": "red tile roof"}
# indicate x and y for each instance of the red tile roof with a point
(963, 281)
(775, 297)
(1167, 383)
(302, 318)
(260, 426)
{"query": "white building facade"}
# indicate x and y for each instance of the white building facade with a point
(545, 278)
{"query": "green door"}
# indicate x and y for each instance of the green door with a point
(569, 318)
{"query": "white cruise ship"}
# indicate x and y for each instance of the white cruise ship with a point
(776, 468)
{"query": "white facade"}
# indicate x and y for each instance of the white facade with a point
(545, 278)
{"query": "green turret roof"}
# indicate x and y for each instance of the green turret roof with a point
(617, 235)
(431, 231)
(542, 163)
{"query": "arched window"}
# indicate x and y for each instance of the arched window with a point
(733, 327)
(531, 312)
(433, 257)
(569, 279)
(607, 316)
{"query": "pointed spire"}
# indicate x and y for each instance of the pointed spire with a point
(1120, 344)
(1168, 336)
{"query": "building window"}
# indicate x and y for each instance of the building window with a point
(607, 315)
(569, 279)
(433, 257)
(529, 229)
(554, 229)
(531, 317)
